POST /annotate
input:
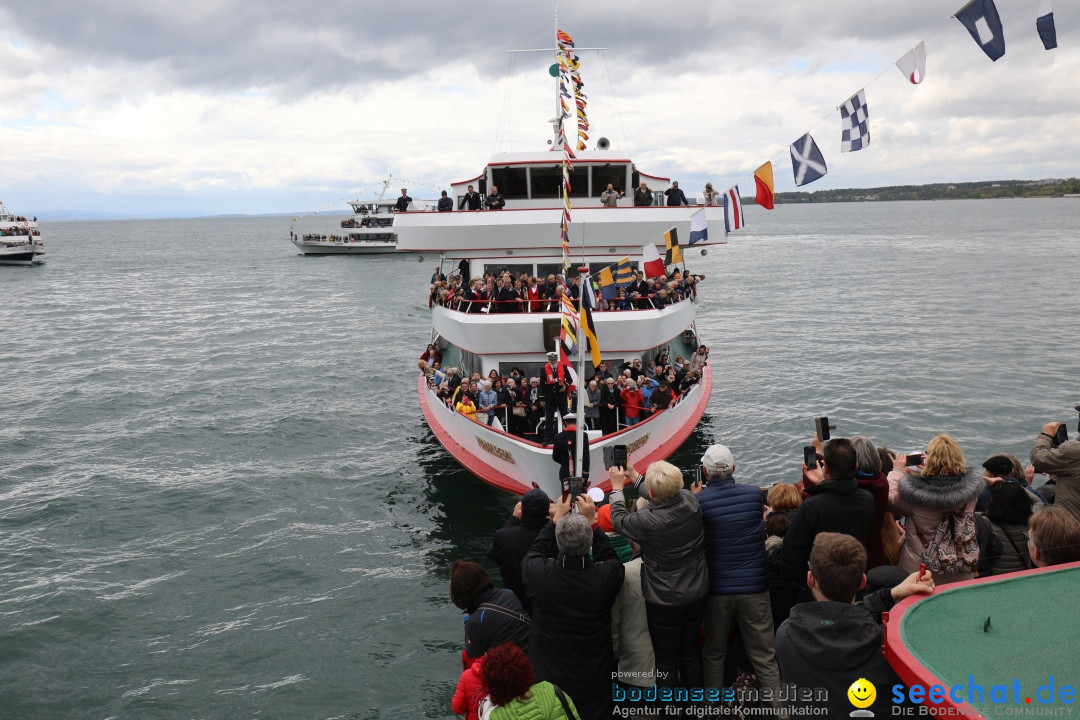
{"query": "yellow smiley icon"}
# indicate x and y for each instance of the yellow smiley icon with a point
(862, 693)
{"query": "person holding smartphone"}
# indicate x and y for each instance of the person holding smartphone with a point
(1062, 463)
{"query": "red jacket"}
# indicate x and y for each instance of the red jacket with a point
(632, 402)
(466, 700)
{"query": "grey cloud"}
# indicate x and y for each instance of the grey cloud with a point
(297, 48)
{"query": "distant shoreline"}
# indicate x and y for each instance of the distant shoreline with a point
(985, 190)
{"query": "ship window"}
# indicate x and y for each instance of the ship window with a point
(546, 181)
(528, 369)
(515, 270)
(511, 182)
(545, 269)
(604, 174)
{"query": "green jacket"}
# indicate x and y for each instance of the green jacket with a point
(541, 704)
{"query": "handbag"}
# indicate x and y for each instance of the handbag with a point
(519, 410)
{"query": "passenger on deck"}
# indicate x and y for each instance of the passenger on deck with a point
(643, 196)
(445, 203)
(610, 196)
(489, 399)
(469, 201)
(513, 399)
(662, 398)
(564, 449)
(633, 402)
(592, 405)
(494, 199)
(466, 407)
(403, 202)
(534, 398)
(610, 400)
(675, 196)
(555, 388)
(699, 359)
(431, 355)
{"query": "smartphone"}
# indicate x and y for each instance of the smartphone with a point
(809, 456)
(565, 488)
(699, 476)
(914, 459)
(1061, 436)
(614, 455)
(821, 425)
(575, 484)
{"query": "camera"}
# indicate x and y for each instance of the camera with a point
(809, 457)
(822, 427)
(913, 459)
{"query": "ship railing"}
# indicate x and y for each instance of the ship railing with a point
(519, 307)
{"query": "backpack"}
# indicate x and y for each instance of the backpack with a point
(953, 549)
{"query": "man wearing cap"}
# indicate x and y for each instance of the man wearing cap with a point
(554, 385)
(402, 203)
(512, 541)
(564, 449)
(662, 398)
(733, 520)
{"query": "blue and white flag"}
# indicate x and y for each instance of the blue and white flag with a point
(807, 162)
(733, 215)
(854, 123)
(981, 19)
(699, 227)
(1045, 25)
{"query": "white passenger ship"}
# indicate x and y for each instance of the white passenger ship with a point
(525, 237)
(20, 240)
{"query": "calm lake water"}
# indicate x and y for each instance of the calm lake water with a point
(218, 498)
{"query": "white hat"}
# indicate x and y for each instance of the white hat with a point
(596, 494)
(718, 460)
(552, 355)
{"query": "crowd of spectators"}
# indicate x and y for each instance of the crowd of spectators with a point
(726, 584)
(635, 392)
(523, 293)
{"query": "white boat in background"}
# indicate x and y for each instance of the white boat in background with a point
(20, 240)
(525, 238)
(368, 231)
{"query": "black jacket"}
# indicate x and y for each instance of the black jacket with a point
(833, 506)
(402, 203)
(570, 642)
(829, 645)
(445, 204)
(564, 452)
(495, 617)
(675, 196)
(495, 202)
(508, 548)
(472, 200)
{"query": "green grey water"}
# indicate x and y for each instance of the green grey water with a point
(218, 498)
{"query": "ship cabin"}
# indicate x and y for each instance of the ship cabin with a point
(534, 179)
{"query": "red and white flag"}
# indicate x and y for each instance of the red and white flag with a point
(913, 64)
(654, 264)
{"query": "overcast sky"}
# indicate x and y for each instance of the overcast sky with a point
(256, 106)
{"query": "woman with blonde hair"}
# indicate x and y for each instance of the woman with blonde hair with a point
(674, 576)
(938, 505)
(783, 498)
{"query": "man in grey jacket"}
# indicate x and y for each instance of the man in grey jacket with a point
(1063, 463)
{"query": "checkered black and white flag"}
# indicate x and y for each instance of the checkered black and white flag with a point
(854, 123)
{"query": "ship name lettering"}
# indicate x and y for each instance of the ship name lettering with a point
(496, 451)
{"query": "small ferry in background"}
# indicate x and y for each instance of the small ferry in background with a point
(20, 239)
(368, 231)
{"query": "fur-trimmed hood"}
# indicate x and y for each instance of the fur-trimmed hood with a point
(942, 492)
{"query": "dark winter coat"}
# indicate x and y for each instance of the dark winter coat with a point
(508, 548)
(833, 506)
(504, 621)
(734, 537)
(570, 642)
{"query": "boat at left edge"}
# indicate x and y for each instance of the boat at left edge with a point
(20, 239)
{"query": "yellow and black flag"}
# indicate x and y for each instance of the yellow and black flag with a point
(674, 252)
(588, 304)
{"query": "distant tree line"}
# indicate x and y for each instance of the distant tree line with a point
(940, 191)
